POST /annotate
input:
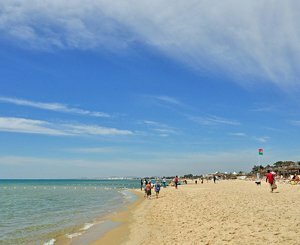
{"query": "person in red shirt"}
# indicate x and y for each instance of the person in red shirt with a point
(176, 181)
(270, 178)
(148, 190)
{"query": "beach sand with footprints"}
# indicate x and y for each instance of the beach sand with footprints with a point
(228, 212)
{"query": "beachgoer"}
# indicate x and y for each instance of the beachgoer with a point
(164, 182)
(142, 183)
(257, 181)
(270, 178)
(176, 181)
(201, 180)
(196, 181)
(157, 189)
(215, 178)
(295, 177)
(148, 190)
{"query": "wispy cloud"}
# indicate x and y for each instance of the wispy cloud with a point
(168, 99)
(160, 163)
(238, 134)
(162, 129)
(213, 120)
(262, 139)
(22, 125)
(263, 109)
(294, 122)
(241, 38)
(89, 150)
(52, 107)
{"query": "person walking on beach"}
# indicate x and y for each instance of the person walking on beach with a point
(215, 178)
(157, 188)
(257, 181)
(270, 178)
(164, 182)
(148, 190)
(142, 183)
(176, 181)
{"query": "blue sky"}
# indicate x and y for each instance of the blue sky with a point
(135, 88)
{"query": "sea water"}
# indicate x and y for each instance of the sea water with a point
(39, 211)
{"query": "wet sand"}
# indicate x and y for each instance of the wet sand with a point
(122, 219)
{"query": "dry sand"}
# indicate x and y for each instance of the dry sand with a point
(229, 212)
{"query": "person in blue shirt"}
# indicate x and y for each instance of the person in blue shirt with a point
(157, 188)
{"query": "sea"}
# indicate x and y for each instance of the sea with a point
(40, 211)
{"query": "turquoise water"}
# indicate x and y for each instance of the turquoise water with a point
(38, 211)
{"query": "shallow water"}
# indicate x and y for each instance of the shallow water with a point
(38, 211)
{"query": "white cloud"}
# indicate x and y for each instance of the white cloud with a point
(155, 163)
(152, 123)
(94, 130)
(162, 129)
(22, 125)
(295, 122)
(90, 150)
(264, 109)
(263, 139)
(52, 107)
(169, 102)
(245, 39)
(238, 134)
(168, 99)
(213, 120)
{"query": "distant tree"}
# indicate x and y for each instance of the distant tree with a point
(284, 163)
(188, 176)
(170, 177)
(257, 168)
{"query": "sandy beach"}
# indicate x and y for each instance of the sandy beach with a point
(229, 212)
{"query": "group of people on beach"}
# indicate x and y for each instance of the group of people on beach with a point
(147, 185)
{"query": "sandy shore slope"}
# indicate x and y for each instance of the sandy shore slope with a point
(229, 212)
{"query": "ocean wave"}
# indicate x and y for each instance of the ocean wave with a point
(128, 195)
(73, 235)
(51, 242)
(87, 226)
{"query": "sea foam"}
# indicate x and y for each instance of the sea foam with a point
(51, 242)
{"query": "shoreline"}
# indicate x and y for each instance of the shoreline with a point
(228, 212)
(123, 219)
(101, 225)
(111, 228)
